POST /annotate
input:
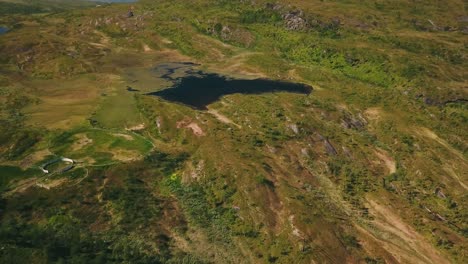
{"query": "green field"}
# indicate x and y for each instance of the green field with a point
(118, 110)
(98, 146)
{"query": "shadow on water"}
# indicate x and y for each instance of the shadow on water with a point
(199, 89)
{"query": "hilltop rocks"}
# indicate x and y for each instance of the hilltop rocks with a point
(126, 22)
(232, 34)
(298, 20)
(294, 20)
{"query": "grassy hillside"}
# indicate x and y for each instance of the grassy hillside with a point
(368, 168)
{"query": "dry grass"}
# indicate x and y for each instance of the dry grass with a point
(63, 104)
(400, 239)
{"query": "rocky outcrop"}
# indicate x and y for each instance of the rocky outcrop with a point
(329, 148)
(429, 101)
(129, 21)
(294, 128)
(273, 6)
(353, 122)
(232, 34)
(294, 20)
(435, 102)
(226, 33)
(438, 191)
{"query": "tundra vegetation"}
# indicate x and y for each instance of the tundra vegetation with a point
(370, 167)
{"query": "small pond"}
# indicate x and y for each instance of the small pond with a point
(3, 30)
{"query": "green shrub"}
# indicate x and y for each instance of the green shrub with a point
(259, 16)
(23, 141)
(260, 179)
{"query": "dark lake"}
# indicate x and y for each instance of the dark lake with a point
(198, 89)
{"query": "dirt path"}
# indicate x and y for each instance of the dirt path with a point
(433, 136)
(48, 184)
(429, 134)
(222, 118)
(400, 239)
(454, 175)
(21, 186)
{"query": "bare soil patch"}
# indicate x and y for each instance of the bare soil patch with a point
(373, 113)
(136, 128)
(82, 141)
(400, 239)
(146, 48)
(188, 123)
(49, 184)
(431, 135)
(21, 186)
(388, 161)
(222, 118)
(126, 155)
(34, 158)
(127, 137)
